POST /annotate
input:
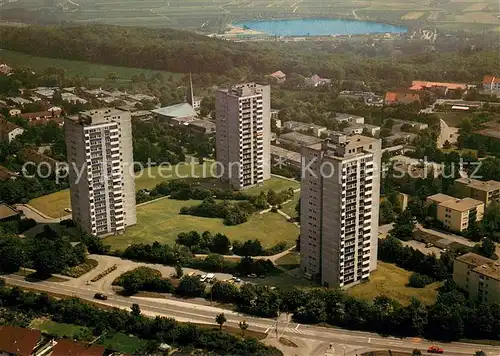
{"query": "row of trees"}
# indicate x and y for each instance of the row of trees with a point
(232, 214)
(157, 330)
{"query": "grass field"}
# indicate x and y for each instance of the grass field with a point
(289, 208)
(289, 261)
(54, 204)
(211, 15)
(161, 221)
(60, 330)
(390, 280)
(123, 343)
(95, 72)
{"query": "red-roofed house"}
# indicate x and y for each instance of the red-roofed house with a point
(491, 83)
(421, 85)
(71, 348)
(16, 341)
(393, 98)
(279, 76)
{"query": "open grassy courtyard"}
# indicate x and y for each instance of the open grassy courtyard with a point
(390, 280)
(54, 204)
(60, 330)
(160, 221)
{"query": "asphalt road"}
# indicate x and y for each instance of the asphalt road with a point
(351, 342)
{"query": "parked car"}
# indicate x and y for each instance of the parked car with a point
(203, 278)
(100, 296)
(252, 275)
(428, 245)
(435, 350)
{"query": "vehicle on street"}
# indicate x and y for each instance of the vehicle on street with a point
(100, 296)
(252, 275)
(428, 245)
(435, 350)
(203, 278)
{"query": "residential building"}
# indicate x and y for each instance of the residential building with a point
(316, 81)
(457, 214)
(401, 97)
(67, 347)
(45, 93)
(37, 115)
(358, 129)
(243, 137)
(204, 127)
(7, 213)
(478, 276)
(279, 76)
(417, 126)
(39, 158)
(421, 85)
(491, 83)
(295, 140)
(19, 101)
(339, 210)
(275, 115)
(73, 99)
(99, 147)
(477, 189)
(16, 341)
(351, 119)
(9, 131)
(283, 157)
(314, 130)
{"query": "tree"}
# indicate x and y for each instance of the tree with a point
(178, 272)
(220, 319)
(480, 353)
(386, 212)
(403, 226)
(418, 280)
(190, 287)
(243, 327)
(487, 248)
(297, 209)
(13, 254)
(447, 145)
(416, 352)
(132, 283)
(136, 310)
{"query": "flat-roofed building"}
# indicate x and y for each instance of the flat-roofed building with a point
(339, 203)
(295, 140)
(457, 214)
(478, 276)
(485, 191)
(283, 157)
(314, 130)
(243, 134)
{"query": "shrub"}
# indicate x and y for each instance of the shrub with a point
(418, 280)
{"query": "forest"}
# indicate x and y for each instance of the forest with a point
(182, 51)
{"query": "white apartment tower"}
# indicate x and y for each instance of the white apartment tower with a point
(339, 209)
(243, 134)
(99, 149)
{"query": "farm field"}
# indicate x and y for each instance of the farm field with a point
(160, 221)
(213, 15)
(390, 280)
(95, 72)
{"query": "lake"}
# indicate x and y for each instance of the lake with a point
(319, 27)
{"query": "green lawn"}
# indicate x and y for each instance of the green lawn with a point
(289, 208)
(54, 204)
(93, 71)
(161, 221)
(289, 261)
(275, 183)
(122, 343)
(390, 280)
(61, 330)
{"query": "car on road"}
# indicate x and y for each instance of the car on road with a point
(435, 350)
(429, 245)
(252, 275)
(100, 296)
(203, 278)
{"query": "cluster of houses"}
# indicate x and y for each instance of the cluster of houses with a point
(314, 81)
(17, 341)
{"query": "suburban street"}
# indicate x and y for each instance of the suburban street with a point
(311, 340)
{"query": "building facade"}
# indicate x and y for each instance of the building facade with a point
(478, 276)
(243, 134)
(457, 214)
(100, 158)
(339, 210)
(9, 131)
(477, 189)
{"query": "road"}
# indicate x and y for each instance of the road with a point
(316, 339)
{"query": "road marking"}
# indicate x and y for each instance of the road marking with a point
(297, 327)
(267, 330)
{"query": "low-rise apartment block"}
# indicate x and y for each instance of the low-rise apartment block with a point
(457, 214)
(478, 276)
(477, 189)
